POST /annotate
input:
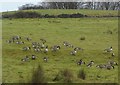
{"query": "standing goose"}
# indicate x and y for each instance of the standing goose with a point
(46, 49)
(80, 62)
(90, 63)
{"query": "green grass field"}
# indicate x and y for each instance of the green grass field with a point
(55, 31)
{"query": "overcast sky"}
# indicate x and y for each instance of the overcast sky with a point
(11, 5)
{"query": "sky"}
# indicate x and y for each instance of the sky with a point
(12, 5)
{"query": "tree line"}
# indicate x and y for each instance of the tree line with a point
(73, 5)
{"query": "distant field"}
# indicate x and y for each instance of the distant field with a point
(71, 11)
(55, 31)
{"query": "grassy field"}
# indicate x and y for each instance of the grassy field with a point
(71, 11)
(55, 31)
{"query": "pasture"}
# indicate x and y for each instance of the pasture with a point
(97, 33)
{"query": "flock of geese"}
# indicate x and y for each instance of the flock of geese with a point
(42, 47)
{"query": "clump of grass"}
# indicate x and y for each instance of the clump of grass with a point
(82, 74)
(65, 75)
(38, 75)
(82, 38)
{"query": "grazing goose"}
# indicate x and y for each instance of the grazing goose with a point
(26, 48)
(112, 63)
(19, 42)
(78, 48)
(113, 54)
(37, 50)
(109, 67)
(73, 52)
(16, 37)
(101, 66)
(55, 48)
(45, 59)
(90, 63)
(80, 62)
(42, 45)
(67, 44)
(108, 49)
(25, 59)
(9, 41)
(33, 57)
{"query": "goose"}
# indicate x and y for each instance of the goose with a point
(25, 59)
(36, 49)
(113, 54)
(33, 57)
(108, 49)
(90, 64)
(112, 63)
(73, 52)
(46, 49)
(9, 41)
(19, 42)
(109, 67)
(55, 48)
(80, 62)
(101, 66)
(78, 48)
(45, 59)
(26, 48)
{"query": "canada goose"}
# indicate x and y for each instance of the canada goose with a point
(25, 59)
(55, 48)
(113, 54)
(45, 59)
(16, 37)
(73, 52)
(108, 49)
(78, 48)
(101, 66)
(33, 57)
(46, 49)
(42, 45)
(109, 67)
(26, 48)
(9, 41)
(80, 62)
(67, 44)
(112, 63)
(36, 49)
(19, 42)
(90, 64)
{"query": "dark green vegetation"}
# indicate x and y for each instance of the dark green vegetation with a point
(70, 11)
(96, 33)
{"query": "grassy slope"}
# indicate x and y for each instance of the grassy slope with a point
(55, 33)
(71, 11)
